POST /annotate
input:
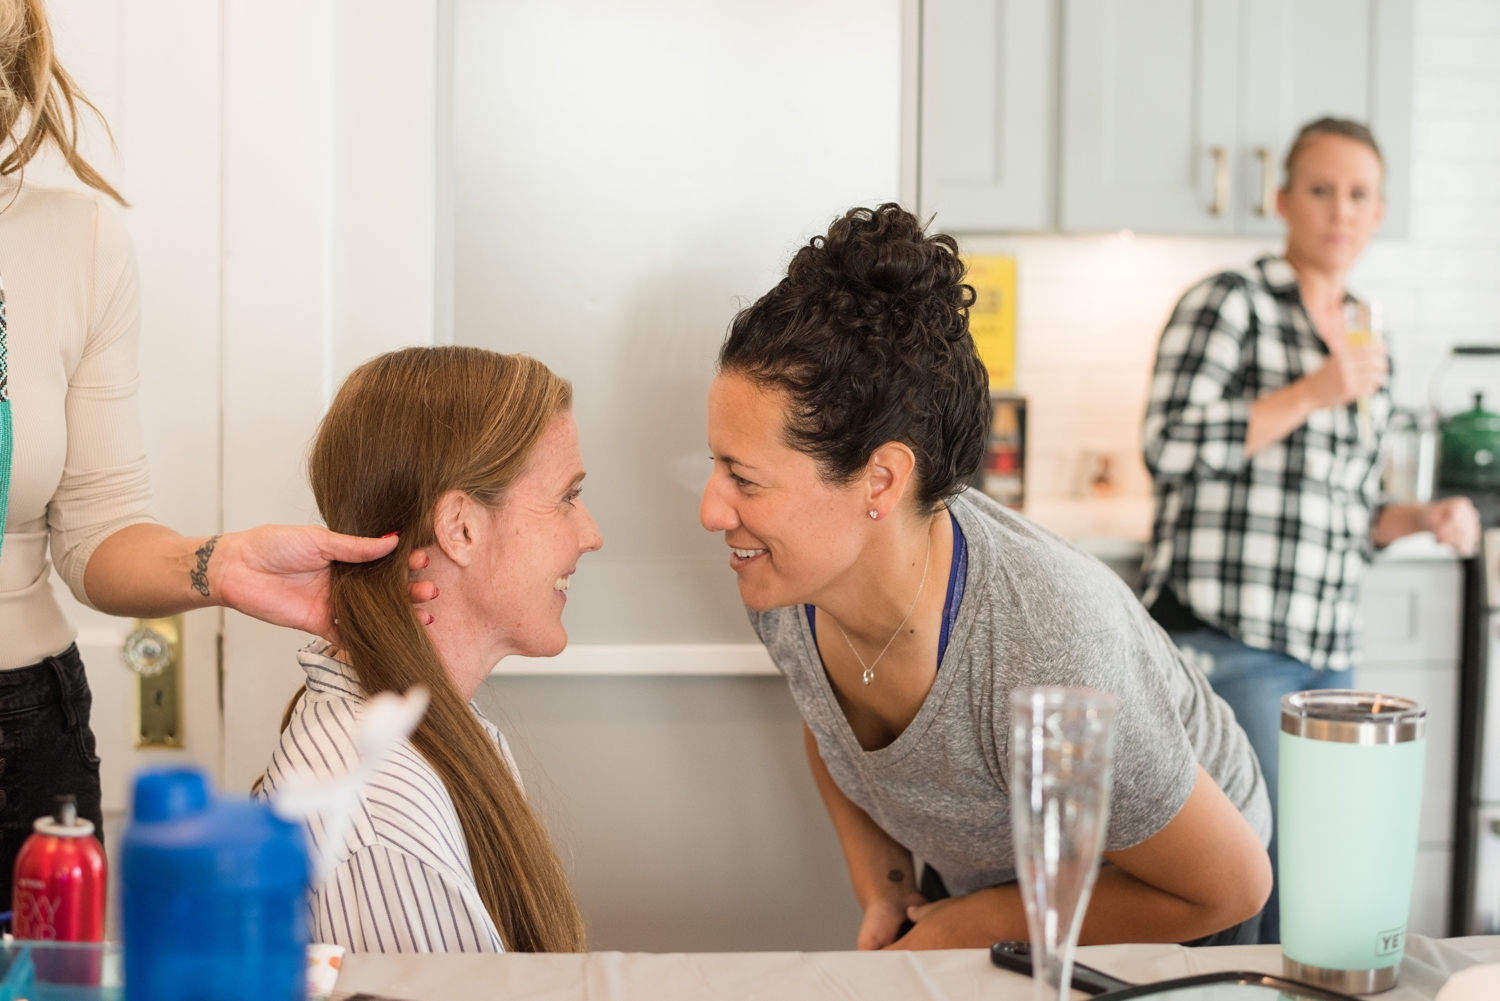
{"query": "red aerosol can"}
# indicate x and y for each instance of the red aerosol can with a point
(61, 880)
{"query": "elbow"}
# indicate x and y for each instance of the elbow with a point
(1242, 896)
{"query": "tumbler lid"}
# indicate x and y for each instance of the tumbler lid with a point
(1344, 716)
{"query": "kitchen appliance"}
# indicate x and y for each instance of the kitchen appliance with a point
(1348, 809)
(1003, 476)
(1470, 451)
(1411, 457)
(1476, 871)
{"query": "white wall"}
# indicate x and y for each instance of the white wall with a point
(628, 177)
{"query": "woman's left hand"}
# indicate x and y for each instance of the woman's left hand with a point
(279, 573)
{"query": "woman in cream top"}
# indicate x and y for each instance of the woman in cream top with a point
(74, 485)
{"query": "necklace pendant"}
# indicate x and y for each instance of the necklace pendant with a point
(869, 675)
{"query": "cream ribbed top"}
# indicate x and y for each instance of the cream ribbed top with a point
(78, 473)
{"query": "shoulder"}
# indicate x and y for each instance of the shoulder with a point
(1034, 586)
(403, 802)
(62, 216)
(1219, 299)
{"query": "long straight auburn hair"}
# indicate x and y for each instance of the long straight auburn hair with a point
(405, 429)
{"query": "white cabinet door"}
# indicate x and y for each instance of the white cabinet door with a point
(1149, 115)
(1307, 59)
(1412, 612)
(987, 114)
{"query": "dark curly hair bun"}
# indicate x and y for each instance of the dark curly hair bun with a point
(868, 335)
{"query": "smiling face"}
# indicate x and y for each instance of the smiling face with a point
(791, 535)
(541, 528)
(503, 571)
(1332, 203)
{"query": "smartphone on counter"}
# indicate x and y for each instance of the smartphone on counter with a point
(1235, 985)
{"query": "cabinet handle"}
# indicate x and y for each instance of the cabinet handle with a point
(1221, 180)
(1267, 183)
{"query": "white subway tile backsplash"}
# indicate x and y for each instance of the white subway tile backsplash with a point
(1460, 15)
(1440, 99)
(1453, 53)
(1459, 140)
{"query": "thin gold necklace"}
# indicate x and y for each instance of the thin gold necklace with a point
(869, 669)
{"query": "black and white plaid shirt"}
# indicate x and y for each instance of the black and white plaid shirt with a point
(1268, 549)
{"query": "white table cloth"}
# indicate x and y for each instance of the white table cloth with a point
(956, 975)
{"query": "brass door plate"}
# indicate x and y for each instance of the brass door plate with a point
(158, 680)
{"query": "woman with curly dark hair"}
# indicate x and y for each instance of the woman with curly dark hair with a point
(847, 419)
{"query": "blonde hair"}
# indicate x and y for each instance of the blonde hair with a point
(1357, 131)
(405, 429)
(38, 95)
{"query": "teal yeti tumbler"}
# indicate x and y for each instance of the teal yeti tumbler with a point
(1348, 808)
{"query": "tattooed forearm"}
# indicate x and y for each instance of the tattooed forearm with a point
(198, 576)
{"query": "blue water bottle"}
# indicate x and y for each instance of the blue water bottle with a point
(213, 895)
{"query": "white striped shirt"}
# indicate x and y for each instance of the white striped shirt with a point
(403, 882)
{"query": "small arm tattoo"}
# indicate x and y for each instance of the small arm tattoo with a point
(198, 576)
(895, 875)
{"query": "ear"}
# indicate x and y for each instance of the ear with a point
(888, 476)
(1281, 202)
(459, 525)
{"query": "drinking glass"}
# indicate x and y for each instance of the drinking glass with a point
(1364, 323)
(1062, 757)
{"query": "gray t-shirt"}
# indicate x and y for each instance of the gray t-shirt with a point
(1036, 611)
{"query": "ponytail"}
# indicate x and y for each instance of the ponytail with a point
(405, 429)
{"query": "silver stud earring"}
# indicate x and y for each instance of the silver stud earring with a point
(875, 514)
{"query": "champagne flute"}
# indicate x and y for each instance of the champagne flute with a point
(1363, 325)
(1062, 759)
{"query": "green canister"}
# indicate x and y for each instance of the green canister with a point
(1347, 814)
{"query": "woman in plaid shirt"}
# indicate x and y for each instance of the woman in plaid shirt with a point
(1267, 493)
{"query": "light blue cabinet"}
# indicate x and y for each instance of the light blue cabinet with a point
(1161, 116)
(1304, 59)
(987, 113)
(1149, 92)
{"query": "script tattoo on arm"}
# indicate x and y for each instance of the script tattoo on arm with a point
(198, 576)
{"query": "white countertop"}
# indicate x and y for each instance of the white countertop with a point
(868, 976)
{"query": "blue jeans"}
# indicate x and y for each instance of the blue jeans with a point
(1253, 681)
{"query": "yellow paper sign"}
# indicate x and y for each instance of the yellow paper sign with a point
(992, 318)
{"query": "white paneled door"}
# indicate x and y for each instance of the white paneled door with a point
(152, 67)
(329, 210)
(280, 158)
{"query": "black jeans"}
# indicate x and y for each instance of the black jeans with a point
(46, 750)
(1247, 932)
